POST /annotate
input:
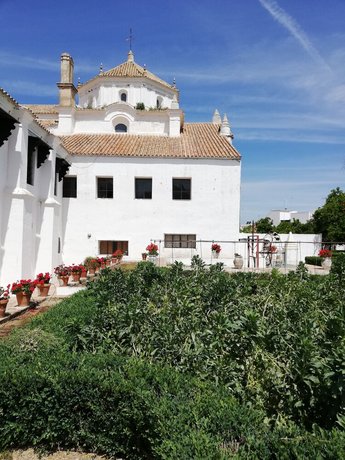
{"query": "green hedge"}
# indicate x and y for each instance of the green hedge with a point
(313, 260)
(316, 260)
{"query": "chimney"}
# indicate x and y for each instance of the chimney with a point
(66, 87)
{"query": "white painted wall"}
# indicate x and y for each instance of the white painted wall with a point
(30, 219)
(212, 212)
(101, 92)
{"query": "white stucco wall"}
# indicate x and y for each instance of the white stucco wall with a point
(212, 213)
(30, 219)
(105, 91)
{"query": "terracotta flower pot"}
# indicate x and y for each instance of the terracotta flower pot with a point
(144, 255)
(3, 305)
(76, 277)
(43, 289)
(64, 280)
(92, 271)
(83, 274)
(107, 263)
(23, 299)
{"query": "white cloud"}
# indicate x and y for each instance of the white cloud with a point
(12, 60)
(28, 88)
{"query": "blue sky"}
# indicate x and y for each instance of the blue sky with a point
(276, 67)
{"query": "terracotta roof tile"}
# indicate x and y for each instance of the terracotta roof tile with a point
(134, 70)
(48, 123)
(9, 97)
(198, 140)
(42, 108)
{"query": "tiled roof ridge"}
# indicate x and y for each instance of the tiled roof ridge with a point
(198, 141)
(9, 97)
(19, 106)
(131, 69)
(42, 108)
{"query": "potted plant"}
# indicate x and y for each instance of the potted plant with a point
(75, 271)
(326, 256)
(23, 290)
(152, 251)
(144, 255)
(43, 283)
(4, 298)
(238, 261)
(91, 264)
(83, 273)
(101, 263)
(108, 261)
(215, 248)
(63, 274)
(117, 256)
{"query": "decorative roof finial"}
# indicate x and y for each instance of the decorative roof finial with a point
(101, 69)
(130, 57)
(225, 129)
(174, 82)
(216, 119)
(79, 82)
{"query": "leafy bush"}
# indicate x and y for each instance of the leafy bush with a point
(271, 340)
(167, 363)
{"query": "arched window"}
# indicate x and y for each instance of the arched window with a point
(120, 128)
(123, 96)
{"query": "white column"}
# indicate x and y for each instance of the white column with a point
(50, 228)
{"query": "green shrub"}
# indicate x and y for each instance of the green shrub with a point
(313, 260)
(168, 363)
(268, 339)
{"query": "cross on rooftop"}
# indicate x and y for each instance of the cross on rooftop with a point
(130, 39)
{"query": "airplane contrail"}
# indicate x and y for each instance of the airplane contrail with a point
(294, 28)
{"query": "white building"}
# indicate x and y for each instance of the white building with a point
(32, 165)
(138, 172)
(278, 216)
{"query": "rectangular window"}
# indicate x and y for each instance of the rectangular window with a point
(181, 189)
(179, 241)
(105, 187)
(69, 187)
(30, 171)
(108, 247)
(143, 189)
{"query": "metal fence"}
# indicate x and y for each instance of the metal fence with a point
(257, 252)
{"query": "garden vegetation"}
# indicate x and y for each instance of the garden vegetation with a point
(167, 363)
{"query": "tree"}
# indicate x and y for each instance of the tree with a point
(295, 227)
(330, 218)
(263, 225)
